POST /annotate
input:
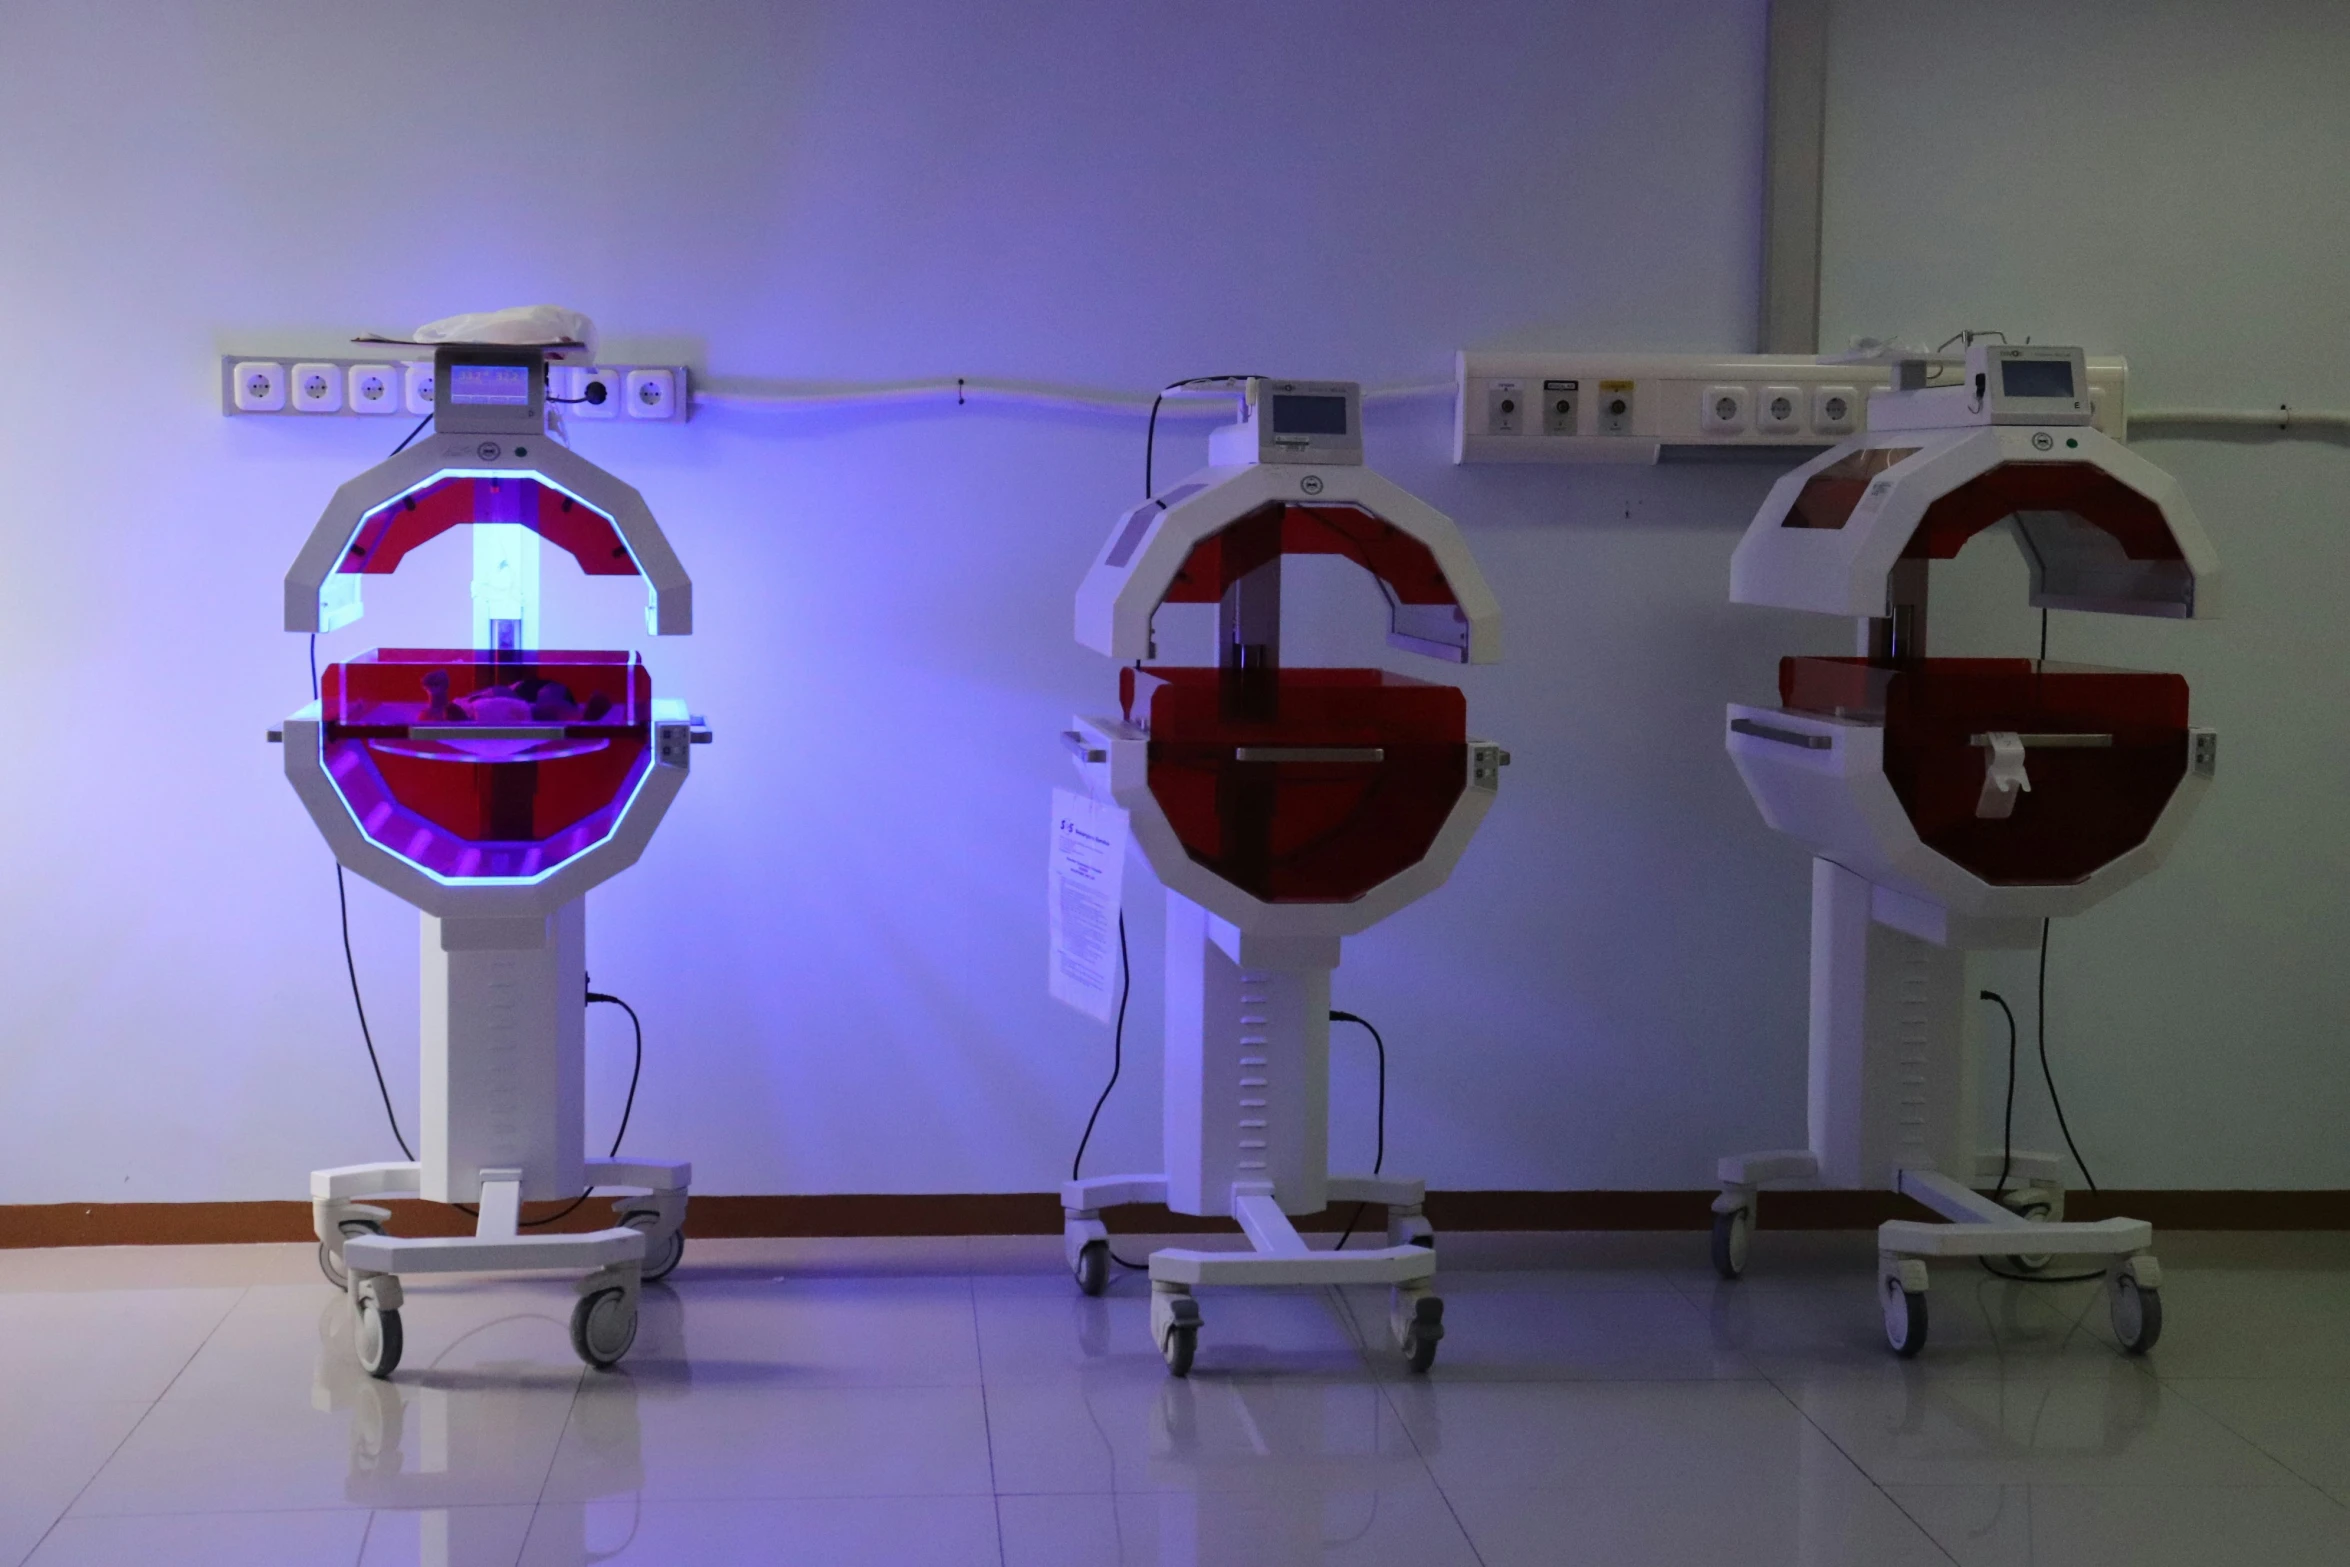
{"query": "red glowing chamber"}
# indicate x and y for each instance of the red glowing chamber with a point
(477, 765)
(2104, 748)
(1301, 785)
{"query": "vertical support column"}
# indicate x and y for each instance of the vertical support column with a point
(1891, 1085)
(1247, 1091)
(1838, 1099)
(504, 1053)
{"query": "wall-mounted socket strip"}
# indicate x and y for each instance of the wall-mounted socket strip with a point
(1645, 408)
(641, 394)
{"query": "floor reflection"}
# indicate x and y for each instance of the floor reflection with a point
(415, 1437)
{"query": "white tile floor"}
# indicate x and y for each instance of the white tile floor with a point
(1599, 1399)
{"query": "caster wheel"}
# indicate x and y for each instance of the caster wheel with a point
(603, 1325)
(1182, 1341)
(1732, 1232)
(662, 1255)
(2032, 1262)
(1905, 1319)
(1093, 1267)
(1424, 1334)
(2137, 1315)
(330, 1258)
(378, 1340)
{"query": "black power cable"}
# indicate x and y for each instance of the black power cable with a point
(1117, 1065)
(1379, 1145)
(2047, 1076)
(412, 435)
(1150, 436)
(2007, 1128)
(2007, 1122)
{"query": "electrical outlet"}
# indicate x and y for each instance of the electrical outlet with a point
(318, 389)
(1721, 410)
(417, 388)
(1558, 406)
(1615, 408)
(1835, 410)
(375, 389)
(588, 394)
(1505, 407)
(260, 386)
(1780, 411)
(651, 394)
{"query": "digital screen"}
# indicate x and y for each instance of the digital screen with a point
(503, 386)
(2036, 378)
(1298, 415)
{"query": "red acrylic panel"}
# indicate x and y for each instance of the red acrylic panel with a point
(1302, 831)
(2087, 805)
(2083, 489)
(564, 739)
(1828, 497)
(387, 534)
(1402, 562)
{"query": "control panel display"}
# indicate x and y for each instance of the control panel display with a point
(492, 386)
(1294, 414)
(2036, 378)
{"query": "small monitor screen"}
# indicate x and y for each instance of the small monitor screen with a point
(1297, 415)
(2036, 378)
(501, 386)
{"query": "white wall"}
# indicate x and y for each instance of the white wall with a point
(837, 939)
(2163, 181)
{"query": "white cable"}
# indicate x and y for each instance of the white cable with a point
(1180, 401)
(2282, 417)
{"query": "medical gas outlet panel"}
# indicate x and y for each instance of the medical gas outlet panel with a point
(1646, 408)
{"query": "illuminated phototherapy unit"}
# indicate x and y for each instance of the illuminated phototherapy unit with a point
(1957, 803)
(492, 786)
(1284, 807)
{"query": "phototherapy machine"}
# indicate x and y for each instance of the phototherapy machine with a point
(1284, 807)
(1953, 804)
(492, 786)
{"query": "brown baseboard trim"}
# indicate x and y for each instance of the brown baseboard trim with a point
(1039, 1213)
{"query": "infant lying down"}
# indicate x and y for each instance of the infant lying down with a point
(529, 700)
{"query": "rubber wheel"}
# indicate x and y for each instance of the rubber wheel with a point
(603, 1325)
(2032, 1262)
(662, 1257)
(1093, 1267)
(2137, 1316)
(378, 1339)
(1905, 1320)
(1425, 1333)
(1182, 1341)
(330, 1258)
(1732, 1231)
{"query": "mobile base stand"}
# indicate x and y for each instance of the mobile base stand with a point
(1893, 1080)
(492, 787)
(1248, 1138)
(1283, 808)
(1960, 803)
(504, 1088)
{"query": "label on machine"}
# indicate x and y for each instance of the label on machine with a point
(1088, 863)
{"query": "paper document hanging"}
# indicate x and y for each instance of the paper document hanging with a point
(1088, 858)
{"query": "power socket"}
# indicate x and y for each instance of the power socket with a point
(375, 389)
(586, 393)
(652, 394)
(417, 388)
(260, 387)
(318, 389)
